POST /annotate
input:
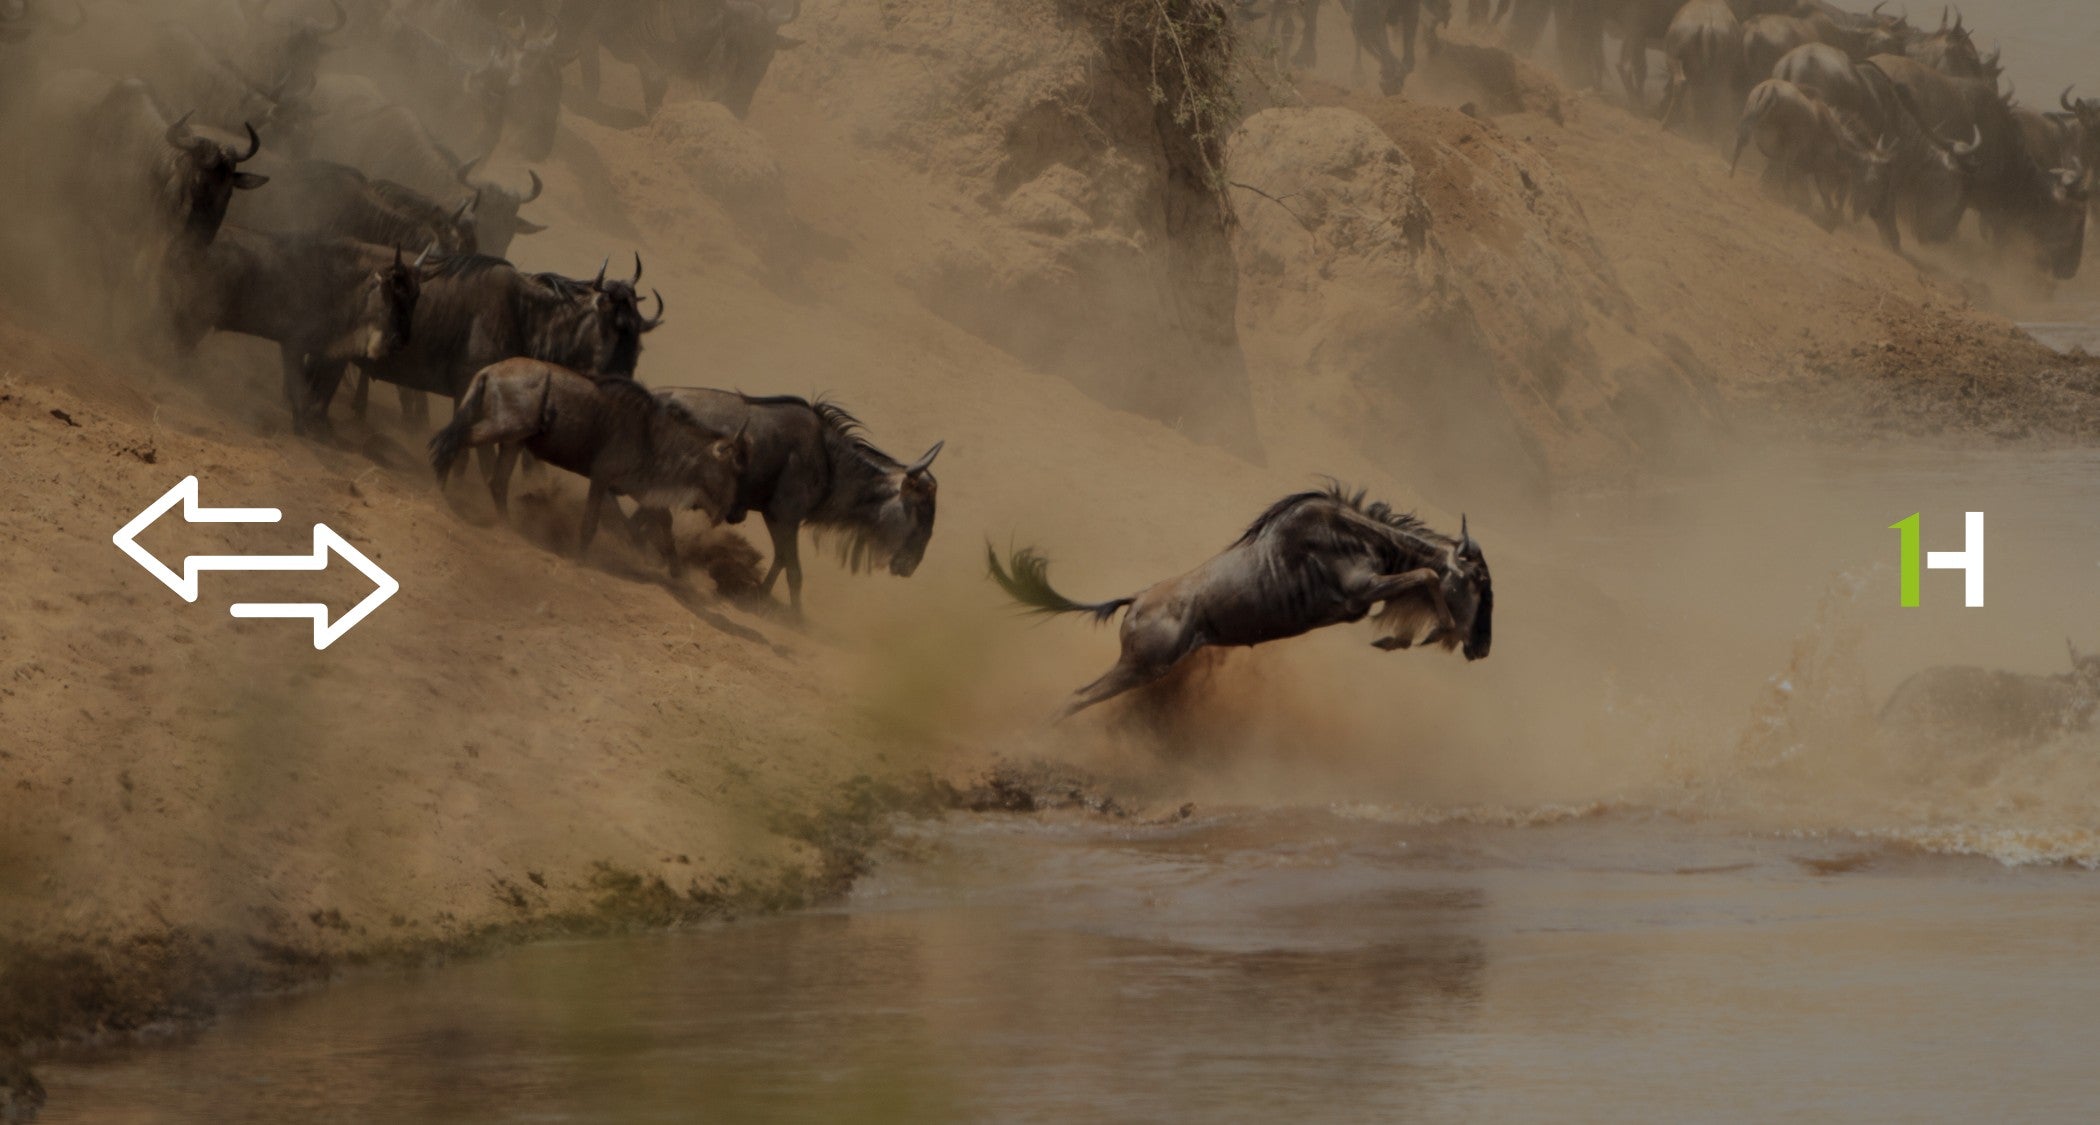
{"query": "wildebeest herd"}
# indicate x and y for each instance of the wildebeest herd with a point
(343, 179)
(1860, 113)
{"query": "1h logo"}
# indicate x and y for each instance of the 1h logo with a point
(1969, 559)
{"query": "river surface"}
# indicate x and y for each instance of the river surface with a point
(1328, 965)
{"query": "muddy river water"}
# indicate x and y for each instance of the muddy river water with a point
(1335, 964)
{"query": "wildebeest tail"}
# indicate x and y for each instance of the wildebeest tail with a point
(1026, 579)
(1754, 110)
(445, 445)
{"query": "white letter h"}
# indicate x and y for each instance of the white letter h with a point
(1969, 559)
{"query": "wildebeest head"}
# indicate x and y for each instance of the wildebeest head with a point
(617, 308)
(905, 524)
(206, 174)
(1468, 592)
(384, 306)
(2058, 223)
(495, 209)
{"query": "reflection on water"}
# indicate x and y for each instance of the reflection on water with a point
(1308, 965)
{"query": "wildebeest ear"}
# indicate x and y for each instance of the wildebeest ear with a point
(249, 181)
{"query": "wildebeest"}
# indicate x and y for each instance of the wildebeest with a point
(1767, 38)
(811, 464)
(2012, 188)
(358, 126)
(1311, 560)
(1985, 708)
(1808, 145)
(472, 95)
(478, 310)
(1705, 49)
(143, 194)
(613, 431)
(724, 46)
(321, 300)
(321, 197)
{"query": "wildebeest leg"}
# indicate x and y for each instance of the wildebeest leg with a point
(1151, 649)
(655, 84)
(499, 478)
(294, 363)
(587, 69)
(361, 395)
(321, 382)
(1308, 34)
(415, 405)
(1385, 587)
(1367, 25)
(1633, 67)
(591, 504)
(787, 556)
(659, 519)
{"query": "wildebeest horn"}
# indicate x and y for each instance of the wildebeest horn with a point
(342, 19)
(637, 268)
(925, 461)
(2064, 99)
(599, 281)
(459, 214)
(178, 134)
(537, 187)
(2073, 646)
(397, 255)
(1964, 148)
(657, 320)
(254, 145)
(424, 256)
(467, 169)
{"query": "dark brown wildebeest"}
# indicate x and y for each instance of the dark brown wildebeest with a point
(474, 94)
(1312, 560)
(1981, 709)
(1705, 49)
(321, 197)
(358, 126)
(2013, 189)
(144, 195)
(322, 301)
(724, 46)
(614, 432)
(810, 464)
(477, 310)
(1810, 148)
(1925, 186)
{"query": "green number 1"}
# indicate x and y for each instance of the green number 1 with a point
(1909, 550)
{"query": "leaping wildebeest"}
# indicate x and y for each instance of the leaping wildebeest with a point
(612, 431)
(1312, 560)
(811, 464)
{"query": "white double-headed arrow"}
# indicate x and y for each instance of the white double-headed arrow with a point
(185, 583)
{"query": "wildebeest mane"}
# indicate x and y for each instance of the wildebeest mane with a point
(860, 479)
(1405, 524)
(461, 265)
